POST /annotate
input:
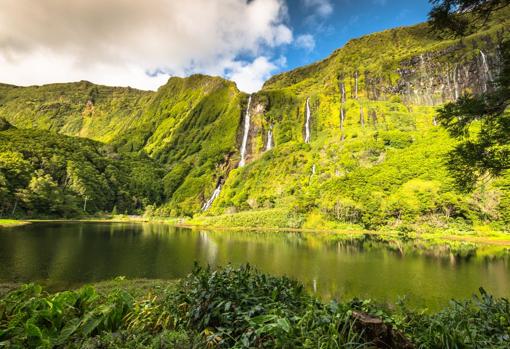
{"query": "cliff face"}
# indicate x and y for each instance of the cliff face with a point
(374, 149)
(435, 78)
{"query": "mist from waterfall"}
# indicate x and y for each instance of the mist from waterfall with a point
(246, 134)
(213, 197)
(307, 124)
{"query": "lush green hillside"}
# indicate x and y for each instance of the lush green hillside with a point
(189, 125)
(375, 157)
(76, 109)
(46, 174)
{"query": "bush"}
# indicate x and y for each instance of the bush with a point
(239, 307)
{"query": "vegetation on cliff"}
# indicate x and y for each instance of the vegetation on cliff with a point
(376, 156)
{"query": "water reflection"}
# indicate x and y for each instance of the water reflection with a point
(66, 254)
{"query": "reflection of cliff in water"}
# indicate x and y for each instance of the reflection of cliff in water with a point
(331, 265)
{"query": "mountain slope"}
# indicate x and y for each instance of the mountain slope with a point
(376, 155)
(350, 140)
(189, 125)
(47, 174)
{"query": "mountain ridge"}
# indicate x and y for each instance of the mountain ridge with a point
(371, 102)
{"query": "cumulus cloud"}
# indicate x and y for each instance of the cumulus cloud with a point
(251, 76)
(139, 43)
(305, 41)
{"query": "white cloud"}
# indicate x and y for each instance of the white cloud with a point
(116, 42)
(322, 8)
(305, 41)
(250, 76)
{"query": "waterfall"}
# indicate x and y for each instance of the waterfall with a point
(213, 197)
(487, 71)
(269, 144)
(342, 118)
(246, 134)
(307, 124)
(455, 84)
(313, 169)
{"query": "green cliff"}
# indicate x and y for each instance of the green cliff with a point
(370, 155)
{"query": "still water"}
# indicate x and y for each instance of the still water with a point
(69, 254)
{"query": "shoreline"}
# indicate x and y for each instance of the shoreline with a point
(497, 239)
(10, 223)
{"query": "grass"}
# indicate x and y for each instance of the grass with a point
(6, 223)
(237, 308)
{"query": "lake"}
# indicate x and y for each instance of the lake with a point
(64, 255)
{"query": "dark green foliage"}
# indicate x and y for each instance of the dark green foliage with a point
(482, 322)
(239, 308)
(32, 318)
(45, 174)
(449, 15)
(483, 125)
(485, 151)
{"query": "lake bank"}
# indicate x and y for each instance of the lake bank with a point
(6, 223)
(431, 238)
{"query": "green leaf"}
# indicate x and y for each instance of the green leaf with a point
(284, 324)
(32, 330)
(90, 325)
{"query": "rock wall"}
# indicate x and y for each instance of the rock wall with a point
(437, 77)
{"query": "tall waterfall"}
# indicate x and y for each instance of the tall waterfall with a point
(269, 144)
(246, 134)
(213, 197)
(487, 71)
(307, 124)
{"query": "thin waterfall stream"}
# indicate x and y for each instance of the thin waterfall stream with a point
(269, 144)
(307, 124)
(487, 71)
(246, 134)
(213, 197)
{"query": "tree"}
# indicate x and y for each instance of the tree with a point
(448, 16)
(483, 151)
(42, 195)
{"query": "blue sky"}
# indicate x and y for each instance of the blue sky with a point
(143, 43)
(349, 19)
